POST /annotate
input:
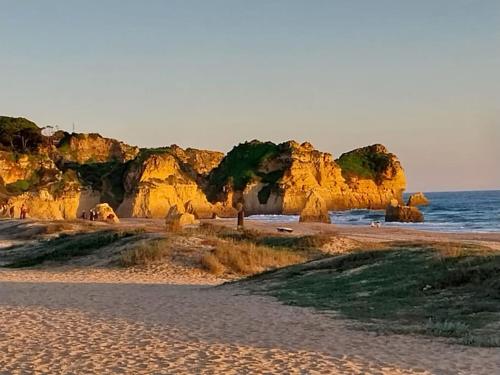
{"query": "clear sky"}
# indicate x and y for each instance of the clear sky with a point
(421, 77)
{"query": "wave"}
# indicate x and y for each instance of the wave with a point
(448, 212)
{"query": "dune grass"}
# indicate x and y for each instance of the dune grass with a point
(246, 258)
(311, 243)
(248, 252)
(145, 253)
(450, 290)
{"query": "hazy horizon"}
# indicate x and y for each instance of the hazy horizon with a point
(421, 78)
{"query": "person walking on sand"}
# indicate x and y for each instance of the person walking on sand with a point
(11, 212)
(84, 215)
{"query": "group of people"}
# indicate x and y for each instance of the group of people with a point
(93, 215)
(23, 212)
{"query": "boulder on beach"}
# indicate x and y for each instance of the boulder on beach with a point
(417, 199)
(403, 214)
(106, 213)
(178, 217)
(315, 210)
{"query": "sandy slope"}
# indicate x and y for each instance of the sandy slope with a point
(82, 318)
(68, 327)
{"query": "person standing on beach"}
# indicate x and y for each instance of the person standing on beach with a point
(11, 212)
(241, 215)
(24, 210)
(84, 215)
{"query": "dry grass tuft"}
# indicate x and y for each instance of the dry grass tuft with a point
(458, 250)
(212, 264)
(57, 227)
(146, 252)
(246, 258)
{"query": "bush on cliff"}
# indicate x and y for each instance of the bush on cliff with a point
(366, 163)
(19, 134)
(241, 166)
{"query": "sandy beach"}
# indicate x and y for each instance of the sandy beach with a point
(75, 320)
(92, 327)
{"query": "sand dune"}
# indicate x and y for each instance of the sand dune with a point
(65, 326)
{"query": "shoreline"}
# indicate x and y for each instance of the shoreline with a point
(366, 233)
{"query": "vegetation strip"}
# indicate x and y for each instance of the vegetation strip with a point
(448, 290)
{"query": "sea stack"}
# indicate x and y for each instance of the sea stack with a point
(396, 212)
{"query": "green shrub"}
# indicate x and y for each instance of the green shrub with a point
(366, 163)
(19, 134)
(241, 166)
(18, 187)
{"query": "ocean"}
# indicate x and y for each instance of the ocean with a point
(464, 211)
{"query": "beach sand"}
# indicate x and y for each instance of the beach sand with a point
(79, 320)
(63, 326)
(367, 233)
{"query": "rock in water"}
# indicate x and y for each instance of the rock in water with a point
(315, 210)
(106, 213)
(417, 199)
(177, 218)
(404, 214)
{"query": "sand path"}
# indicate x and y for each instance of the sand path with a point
(78, 328)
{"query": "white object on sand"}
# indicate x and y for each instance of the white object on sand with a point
(284, 229)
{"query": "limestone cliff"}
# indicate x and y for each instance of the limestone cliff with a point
(58, 175)
(92, 148)
(272, 178)
(159, 179)
(16, 167)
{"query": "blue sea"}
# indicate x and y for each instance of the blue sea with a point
(464, 211)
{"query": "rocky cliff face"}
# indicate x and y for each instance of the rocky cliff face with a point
(92, 148)
(159, 179)
(61, 175)
(278, 178)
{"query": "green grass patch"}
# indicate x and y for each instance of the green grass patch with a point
(68, 246)
(405, 288)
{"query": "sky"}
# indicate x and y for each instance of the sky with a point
(421, 77)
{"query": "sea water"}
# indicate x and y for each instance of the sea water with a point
(464, 211)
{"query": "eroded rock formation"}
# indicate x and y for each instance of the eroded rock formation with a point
(396, 212)
(417, 199)
(158, 180)
(177, 217)
(60, 175)
(106, 213)
(92, 148)
(315, 209)
(277, 178)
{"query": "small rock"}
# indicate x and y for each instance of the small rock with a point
(315, 210)
(404, 214)
(417, 199)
